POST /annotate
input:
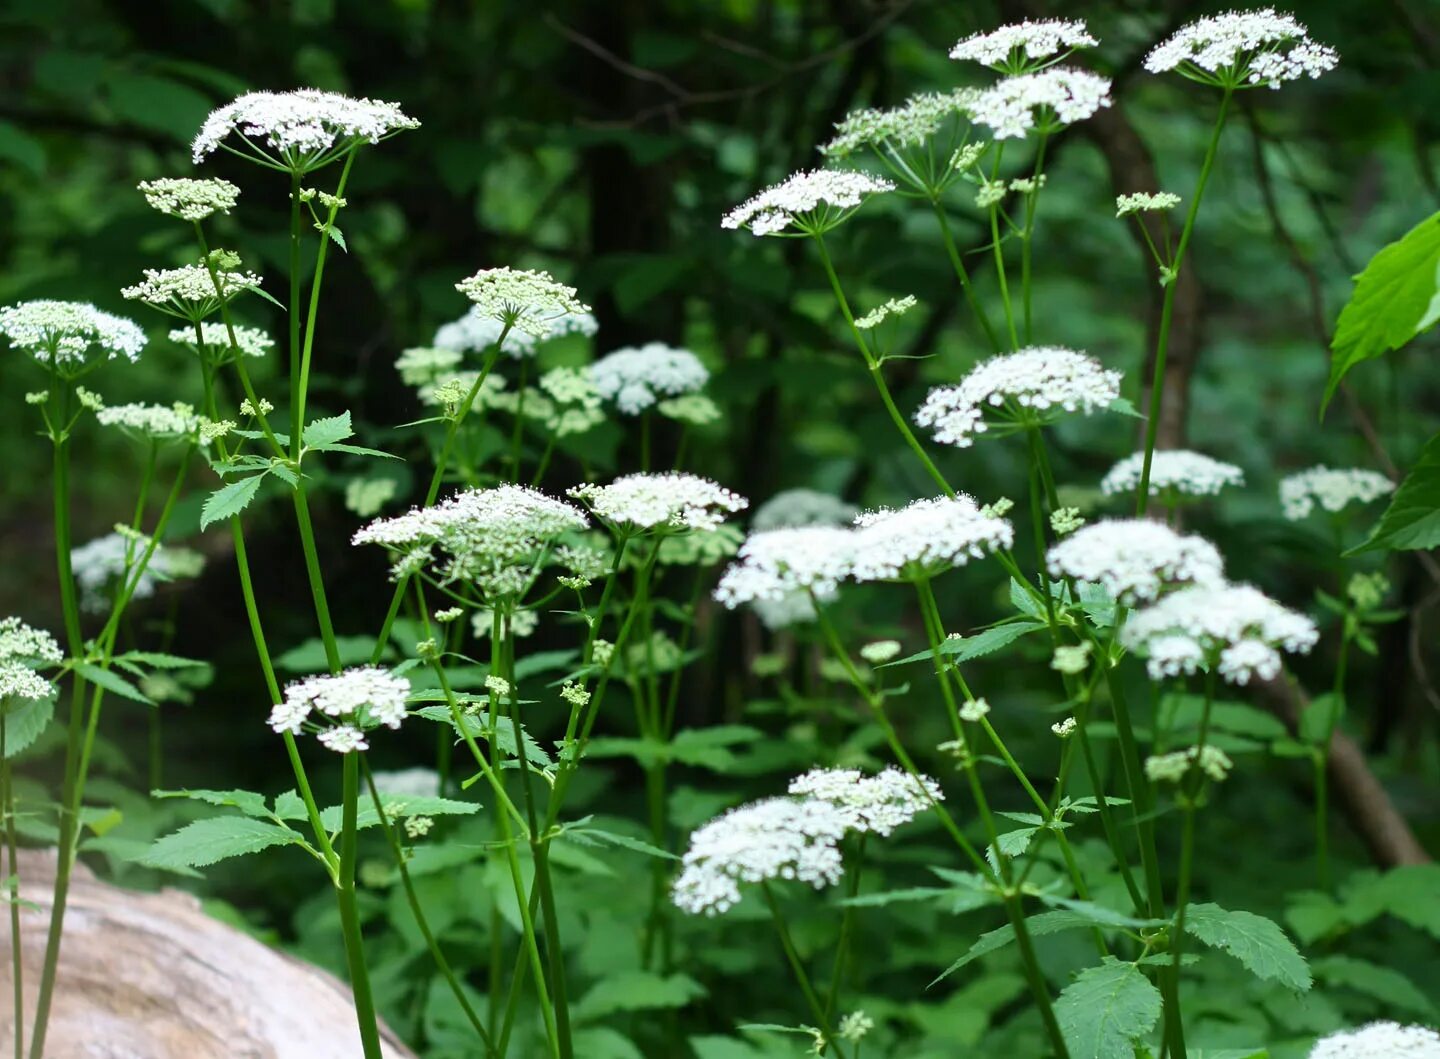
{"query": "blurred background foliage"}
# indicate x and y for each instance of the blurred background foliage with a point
(602, 142)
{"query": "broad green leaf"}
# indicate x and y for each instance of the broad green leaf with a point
(1394, 300)
(1412, 521)
(985, 642)
(25, 720)
(309, 657)
(160, 660)
(1255, 941)
(637, 991)
(230, 500)
(1082, 915)
(1409, 893)
(112, 681)
(157, 103)
(1106, 1009)
(595, 836)
(219, 838)
(327, 431)
(1384, 984)
(354, 450)
(396, 807)
(248, 802)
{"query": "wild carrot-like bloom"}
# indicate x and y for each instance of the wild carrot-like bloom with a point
(802, 507)
(251, 341)
(190, 200)
(877, 316)
(636, 377)
(155, 421)
(776, 838)
(1024, 45)
(577, 401)
(660, 501)
(1379, 1040)
(878, 803)
(1172, 471)
(924, 538)
(1173, 767)
(530, 301)
(811, 202)
(1038, 383)
(1333, 489)
(476, 332)
(343, 705)
(190, 292)
(1145, 202)
(25, 643)
(1136, 559)
(1243, 49)
(909, 125)
(1235, 627)
(493, 538)
(298, 131)
(67, 333)
(1049, 100)
(774, 564)
(113, 558)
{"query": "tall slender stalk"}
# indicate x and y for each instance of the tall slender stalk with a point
(349, 914)
(966, 285)
(12, 887)
(792, 956)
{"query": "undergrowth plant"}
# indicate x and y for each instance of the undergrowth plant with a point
(483, 901)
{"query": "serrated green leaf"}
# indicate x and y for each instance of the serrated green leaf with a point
(1394, 300)
(24, 721)
(1259, 944)
(1384, 984)
(1106, 1009)
(112, 681)
(229, 500)
(248, 802)
(477, 725)
(396, 807)
(160, 660)
(1082, 915)
(337, 235)
(595, 836)
(985, 642)
(327, 431)
(219, 838)
(354, 450)
(1408, 894)
(637, 991)
(1412, 521)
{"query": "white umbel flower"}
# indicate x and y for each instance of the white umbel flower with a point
(802, 507)
(1048, 100)
(113, 558)
(304, 129)
(476, 332)
(69, 332)
(1243, 49)
(909, 125)
(776, 838)
(661, 501)
(1237, 627)
(870, 804)
(925, 537)
(810, 201)
(1333, 489)
(1172, 471)
(530, 301)
(636, 377)
(773, 564)
(1036, 383)
(251, 341)
(416, 782)
(1145, 202)
(25, 643)
(189, 291)
(343, 705)
(19, 681)
(1135, 559)
(190, 200)
(1024, 44)
(151, 420)
(1379, 1040)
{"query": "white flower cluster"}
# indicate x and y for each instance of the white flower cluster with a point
(1051, 98)
(577, 401)
(475, 332)
(1379, 1040)
(1237, 626)
(799, 199)
(925, 537)
(416, 782)
(1023, 43)
(190, 291)
(1135, 559)
(251, 341)
(802, 507)
(776, 564)
(870, 804)
(152, 420)
(635, 377)
(775, 838)
(1332, 488)
(23, 649)
(428, 365)
(531, 301)
(1243, 48)
(307, 127)
(1175, 766)
(1174, 471)
(68, 331)
(351, 700)
(113, 558)
(1145, 202)
(894, 307)
(661, 501)
(188, 199)
(490, 537)
(909, 125)
(1039, 380)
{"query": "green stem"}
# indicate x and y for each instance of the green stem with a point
(517, 437)
(17, 963)
(349, 913)
(792, 956)
(998, 253)
(1162, 340)
(1032, 203)
(963, 276)
(877, 375)
(842, 944)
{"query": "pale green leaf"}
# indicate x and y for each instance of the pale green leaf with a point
(1259, 944)
(327, 431)
(1106, 1009)
(248, 802)
(229, 500)
(1412, 521)
(220, 837)
(636, 991)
